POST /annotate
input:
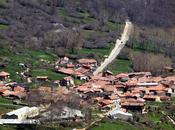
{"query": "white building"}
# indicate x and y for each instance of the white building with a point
(119, 114)
(22, 113)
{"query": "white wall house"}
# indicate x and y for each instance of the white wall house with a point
(22, 113)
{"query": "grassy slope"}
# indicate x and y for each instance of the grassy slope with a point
(8, 127)
(3, 2)
(3, 27)
(120, 66)
(117, 66)
(39, 68)
(7, 105)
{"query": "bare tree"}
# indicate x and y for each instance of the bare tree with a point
(149, 62)
(68, 39)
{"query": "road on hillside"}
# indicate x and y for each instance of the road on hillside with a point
(120, 43)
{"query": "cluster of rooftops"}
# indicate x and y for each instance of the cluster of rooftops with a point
(82, 69)
(11, 90)
(130, 90)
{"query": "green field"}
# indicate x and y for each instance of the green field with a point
(2, 26)
(3, 2)
(47, 72)
(119, 66)
(8, 127)
(114, 26)
(62, 13)
(100, 51)
(7, 105)
(39, 62)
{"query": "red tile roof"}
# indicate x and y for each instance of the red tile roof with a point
(132, 82)
(160, 87)
(87, 61)
(70, 65)
(122, 75)
(109, 88)
(68, 78)
(82, 88)
(155, 97)
(132, 102)
(109, 78)
(7, 93)
(113, 97)
(82, 70)
(141, 73)
(44, 89)
(4, 74)
(2, 89)
(98, 98)
(106, 102)
(170, 78)
(19, 89)
(66, 71)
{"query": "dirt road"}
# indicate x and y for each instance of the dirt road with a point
(120, 43)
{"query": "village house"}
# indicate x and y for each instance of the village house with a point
(123, 77)
(87, 62)
(67, 71)
(172, 91)
(133, 104)
(22, 113)
(12, 91)
(67, 81)
(156, 98)
(131, 90)
(4, 76)
(80, 73)
(139, 74)
(106, 104)
(169, 69)
(70, 65)
(107, 73)
(17, 94)
(120, 88)
(64, 60)
(119, 114)
(66, 114)
(3, 88)
(42, 78)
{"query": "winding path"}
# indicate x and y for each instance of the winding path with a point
(120, 43)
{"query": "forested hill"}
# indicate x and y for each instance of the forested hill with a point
(94, 22)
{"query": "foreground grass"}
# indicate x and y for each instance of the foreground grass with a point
(3, 2)
(5, 101)
(6, 105)
(2, 26)
(117, 125)
(8, 127)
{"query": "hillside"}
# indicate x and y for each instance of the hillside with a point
(51, 49)
(89, 24)
(98, 21)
